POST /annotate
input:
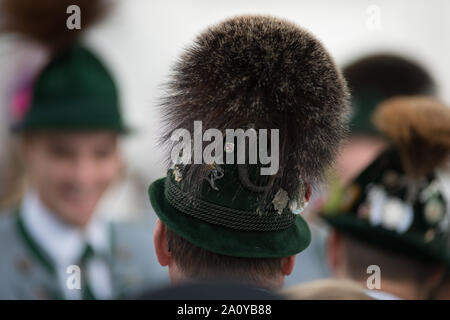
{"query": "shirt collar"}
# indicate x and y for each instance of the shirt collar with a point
(63, 242)
(381, 295)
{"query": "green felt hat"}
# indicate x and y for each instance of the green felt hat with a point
(225, 219)
(74, 92)
(249, 73)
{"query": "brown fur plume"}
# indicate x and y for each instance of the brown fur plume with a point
(266, 73)
(420, 127)
(44, 21)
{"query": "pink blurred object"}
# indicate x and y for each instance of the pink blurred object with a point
(20, 103)
(25, 61)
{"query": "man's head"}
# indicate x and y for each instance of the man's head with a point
(371, 80)
(257, 74)
(188, 262)
(70, 130)
(401, 275)
(400, 203)
(71, 170)
(68, 114)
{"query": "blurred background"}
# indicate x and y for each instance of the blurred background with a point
(141, 39)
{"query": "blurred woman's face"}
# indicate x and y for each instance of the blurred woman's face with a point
(71, 171)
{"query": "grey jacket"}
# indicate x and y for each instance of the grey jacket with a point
(133, 265)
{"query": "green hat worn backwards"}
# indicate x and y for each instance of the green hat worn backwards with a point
(401, 202)
(74, 92)
(250, 73)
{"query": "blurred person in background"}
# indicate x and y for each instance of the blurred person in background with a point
(371, 79)
(52, 245)
(392, 227)
(228, 221)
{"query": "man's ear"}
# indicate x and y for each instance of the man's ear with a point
(287, 265)
(160, 243)
(308, 192)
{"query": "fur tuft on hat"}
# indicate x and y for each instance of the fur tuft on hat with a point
(261, 72)
(420, 127)
(45, 21)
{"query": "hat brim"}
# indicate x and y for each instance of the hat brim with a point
(66, 115)
(405, 244)
(227, 241)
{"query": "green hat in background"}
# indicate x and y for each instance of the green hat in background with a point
(73, 92)
(250, 73)
(378, 77)
(401, 202)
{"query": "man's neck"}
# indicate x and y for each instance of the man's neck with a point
(178, 277)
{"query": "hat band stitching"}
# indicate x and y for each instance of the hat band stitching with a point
(224, 216)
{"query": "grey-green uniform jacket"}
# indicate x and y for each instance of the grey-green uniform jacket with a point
(23, 274)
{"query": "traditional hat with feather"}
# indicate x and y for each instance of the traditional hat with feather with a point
(401, 201)
(251, 73)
